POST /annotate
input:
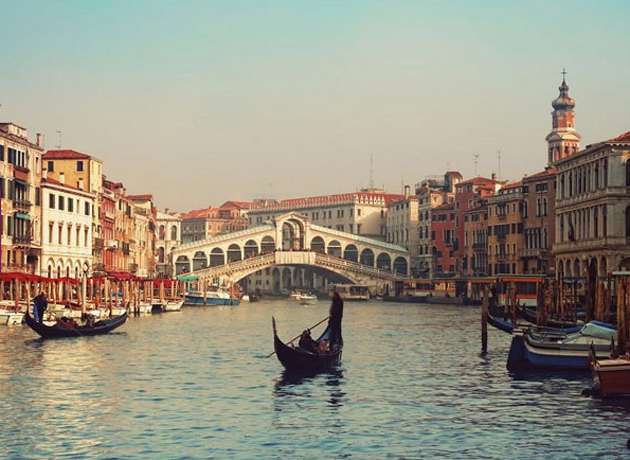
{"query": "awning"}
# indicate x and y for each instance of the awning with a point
(21, 215)
(187, 277)
(21, 182)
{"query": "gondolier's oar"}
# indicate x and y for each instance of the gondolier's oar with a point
(298, 336)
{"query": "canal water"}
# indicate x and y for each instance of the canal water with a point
(197, 384)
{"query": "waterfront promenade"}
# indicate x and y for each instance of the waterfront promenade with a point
(196, 384)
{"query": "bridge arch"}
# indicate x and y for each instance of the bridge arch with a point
(367, 257)
(400, 265)
(318, 245)
(234, 253)
(384, 261)
(182, 265)
(250, 249)
(200, 260)
(267, 245)
(351, 253)
(217, 257)
(334, 249)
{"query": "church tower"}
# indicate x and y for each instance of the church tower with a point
(563, 140)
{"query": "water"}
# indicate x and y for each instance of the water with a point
(197, 384)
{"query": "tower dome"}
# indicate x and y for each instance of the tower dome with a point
(563, 101)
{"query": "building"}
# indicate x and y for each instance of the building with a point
(402, 224)
(83, 172)
(143, 244)
(432, 192)
(168, 238)
(66, 230)
(361, 213)
(593, 209)
(475, 261)
(205, 223)
(443, 240)
(20, 177)
(505, 230)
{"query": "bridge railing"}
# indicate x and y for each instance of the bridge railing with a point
(243, 264)
(325, 259)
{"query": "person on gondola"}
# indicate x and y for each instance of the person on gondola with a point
(41, 304)
(334, 322)
(307, 343)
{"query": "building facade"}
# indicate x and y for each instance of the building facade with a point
(402, 224)
(505, 230)
(168, 239)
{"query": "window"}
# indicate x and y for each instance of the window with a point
(51, 166)
(87, 208)
(79, 166)
(1, 152)
(70, 205)
(61, 203)
(51, 201)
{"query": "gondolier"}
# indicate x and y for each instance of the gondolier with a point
(334, 323)
(41, 304)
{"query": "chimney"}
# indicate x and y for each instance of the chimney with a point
(44, 173)
(407, 191)
(166, 210)
(39, 140)
(494, 176)
(62, 178)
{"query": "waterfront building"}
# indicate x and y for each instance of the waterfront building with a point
(66, 229)
(169, 231)
(443, 239)
(124, 229)
(505, 230)
(83, 172)
(432, 192)
(361, 213)
(593, 209)
(106, 245)
(475, 261)
(465, 194)
(142, 245)
(539, 192)
(402, 224)
(20, 177)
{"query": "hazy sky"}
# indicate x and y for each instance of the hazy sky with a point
(200, 102)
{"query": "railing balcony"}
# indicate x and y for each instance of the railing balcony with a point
(531, 252)
(22, 205)
(23, 169)
(98, 268)
(133, 268)
(22, 239)
(16, 268)
(480, 246)
(99, 243)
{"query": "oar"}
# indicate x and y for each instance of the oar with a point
(298, 336)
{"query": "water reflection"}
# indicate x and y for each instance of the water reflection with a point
(291, 384)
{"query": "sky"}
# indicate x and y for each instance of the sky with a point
(201, 102)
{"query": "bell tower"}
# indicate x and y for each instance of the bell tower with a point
(563, 140)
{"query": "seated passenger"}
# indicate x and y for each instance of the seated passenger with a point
(323, 347)
(307, 343)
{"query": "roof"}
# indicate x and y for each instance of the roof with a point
(366, 198)
(512, 185)
(539, 175)
(625, 137)
(444, 207)
(237, 204)
(477, 181)
(65, 155)
(141, 197)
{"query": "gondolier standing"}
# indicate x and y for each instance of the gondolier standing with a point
(336, 315)
(41, 303)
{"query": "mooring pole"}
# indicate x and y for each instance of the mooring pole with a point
(484, 321)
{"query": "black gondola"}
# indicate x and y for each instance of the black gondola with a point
(69, 330)
(296, 359)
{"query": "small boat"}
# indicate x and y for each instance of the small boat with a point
(359, 292)
(611, 377)
(215, 296)
(296, 359)
(560, 349)
(69, 328)
(10, 314)
(172, 305)
(307, 299)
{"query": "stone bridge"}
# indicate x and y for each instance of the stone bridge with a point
(292, 240)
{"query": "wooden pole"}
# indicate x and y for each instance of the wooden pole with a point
(484, 321)
(205, 288)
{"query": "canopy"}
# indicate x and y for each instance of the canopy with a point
(187, 277)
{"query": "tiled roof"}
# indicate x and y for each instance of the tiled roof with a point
(331, 200)
(65, 155)
(625, 137)
(512, 185)
(140, 197)
(538, 175)
(237, 204)
(444, 207)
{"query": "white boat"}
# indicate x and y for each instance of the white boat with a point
(9, 314)
(307, 299)
(172, 305)
(213, 296)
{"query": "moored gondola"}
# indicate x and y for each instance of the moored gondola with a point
(69, 329)
(296, 359)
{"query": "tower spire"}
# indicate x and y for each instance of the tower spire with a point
(563, 140)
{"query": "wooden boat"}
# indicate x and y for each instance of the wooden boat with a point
(296, 359)
(611, 377)
(559, 349)
(172, 305)
(60, 329)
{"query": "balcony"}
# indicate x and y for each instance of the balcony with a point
(531, 252)
(98, 243)
(133, 268)
(22, 239)
(22, 205)
(98, 268)
(480, 246)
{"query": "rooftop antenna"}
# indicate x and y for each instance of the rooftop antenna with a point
(499, 157)
(371, 176)
(59, 144)
(476, 160)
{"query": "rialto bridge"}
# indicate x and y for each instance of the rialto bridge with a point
(290, 248)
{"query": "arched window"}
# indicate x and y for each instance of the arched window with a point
(596, 175)
(605, 172)
(628, 222)
(628, 173)
(174, 232)
(162, 232)
(562, 227)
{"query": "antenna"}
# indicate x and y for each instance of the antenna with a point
(59, 144)
(476, 160)
(371, 176)
(499, 157)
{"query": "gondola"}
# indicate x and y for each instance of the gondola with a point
(58, 330)
(298, 360)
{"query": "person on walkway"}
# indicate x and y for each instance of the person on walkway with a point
(334, 322)
(41, 304)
